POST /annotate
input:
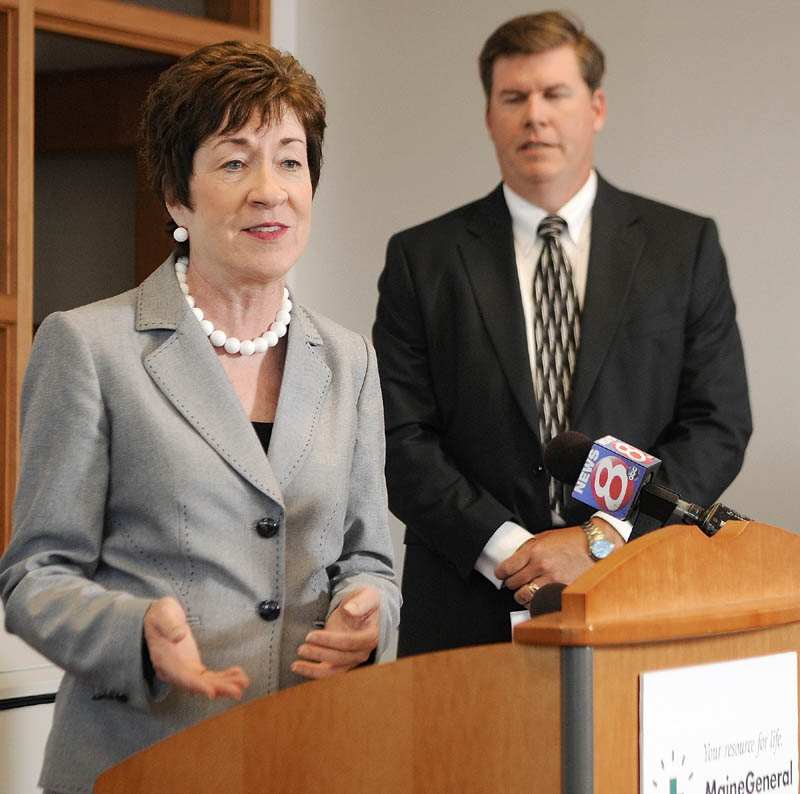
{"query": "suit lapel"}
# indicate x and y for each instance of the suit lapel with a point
(188, 373)
(306, 381)
(616, 246)
(490, 262)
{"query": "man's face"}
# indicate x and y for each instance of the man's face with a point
(542, 118)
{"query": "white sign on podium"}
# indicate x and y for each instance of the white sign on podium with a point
(723, 728)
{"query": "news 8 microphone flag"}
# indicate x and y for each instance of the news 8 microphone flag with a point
(613, 475)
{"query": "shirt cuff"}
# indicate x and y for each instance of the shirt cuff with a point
(623, 527)
(508, 537)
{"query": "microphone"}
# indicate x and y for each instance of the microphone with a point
(608, 474)
(612, 473)
(547, 599)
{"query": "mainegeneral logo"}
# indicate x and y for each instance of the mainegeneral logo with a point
(676, 778)
(752, 782)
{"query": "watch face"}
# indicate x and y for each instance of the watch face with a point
(600, 549)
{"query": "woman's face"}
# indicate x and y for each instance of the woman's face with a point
(251, 192)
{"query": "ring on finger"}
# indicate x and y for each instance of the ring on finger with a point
(533, 587)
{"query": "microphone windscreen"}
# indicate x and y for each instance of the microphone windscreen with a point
(547, 599)
(565, 455)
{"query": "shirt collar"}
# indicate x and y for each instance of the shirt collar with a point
(526, 217)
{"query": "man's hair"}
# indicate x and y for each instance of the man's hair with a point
(224, 84)
(534, 33)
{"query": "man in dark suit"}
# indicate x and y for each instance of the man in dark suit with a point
(659, 360)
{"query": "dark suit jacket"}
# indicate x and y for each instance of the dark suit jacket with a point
(660, 366)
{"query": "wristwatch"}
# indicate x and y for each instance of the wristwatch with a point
(599, 545)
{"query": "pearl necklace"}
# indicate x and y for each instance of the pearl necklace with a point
(231, 344)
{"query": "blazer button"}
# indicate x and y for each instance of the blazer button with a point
(269, 610)
(538, 470)
(267, 527)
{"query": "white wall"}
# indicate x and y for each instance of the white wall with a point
(703, 113)
(23, 729)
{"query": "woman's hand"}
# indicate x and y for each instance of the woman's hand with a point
(349, 637)
(176, 658)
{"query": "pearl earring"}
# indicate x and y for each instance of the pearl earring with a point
(181, 234)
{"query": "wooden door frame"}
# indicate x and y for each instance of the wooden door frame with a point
(16, 289)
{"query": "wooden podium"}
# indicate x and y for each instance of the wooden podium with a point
(554, 711)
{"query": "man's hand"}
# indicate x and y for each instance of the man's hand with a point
(556, 555)
(349, 637)
(176, 658)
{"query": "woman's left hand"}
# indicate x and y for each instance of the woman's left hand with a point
(349, 637)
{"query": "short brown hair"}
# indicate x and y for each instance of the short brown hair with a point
(226, 84)
(534, 33)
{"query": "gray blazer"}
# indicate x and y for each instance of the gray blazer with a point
(141, 476)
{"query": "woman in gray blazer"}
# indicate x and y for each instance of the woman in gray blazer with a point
(201, 508)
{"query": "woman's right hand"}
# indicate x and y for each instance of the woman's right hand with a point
(176, 658)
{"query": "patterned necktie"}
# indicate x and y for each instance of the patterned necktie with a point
(556, 327)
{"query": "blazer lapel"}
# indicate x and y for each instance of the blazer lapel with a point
(490, 262)
(616, 246)
(306, 380)
(187, 371)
